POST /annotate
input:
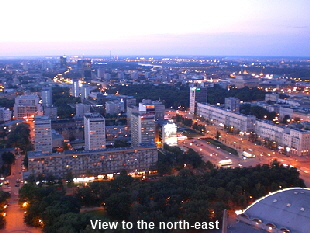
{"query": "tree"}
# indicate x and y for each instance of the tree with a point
(187, 122)
(20, 137)
(69, 178)
(27, 193)
(66, 204)
(2, 221)
(118, 206)
(8, 158)
(7, 103)
(72, 222)
(178, 118)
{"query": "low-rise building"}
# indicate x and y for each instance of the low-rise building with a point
(5, 114)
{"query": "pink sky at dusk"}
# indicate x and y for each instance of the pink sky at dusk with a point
(198, 27)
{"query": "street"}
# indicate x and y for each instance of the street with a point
(15, 214)
(262, 154)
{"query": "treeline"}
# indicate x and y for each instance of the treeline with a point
(194, 198)
(186, 196)
(218, 94)
(7, 103)
(173, 158)
(49, 208)
(3, 207)
(174, 96)
(257, 111)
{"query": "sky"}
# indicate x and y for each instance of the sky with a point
(161, 27)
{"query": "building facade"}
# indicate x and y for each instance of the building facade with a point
(81, 110)
(27, 106)
(5, 115)
(166, 133)
(114, 107)
(46, 96)
(94, 131)
(221, 117)
(295, 141)
(142, 128)
(197, 95)
(95, 162)
(232, 104)
(43, 134)
(155, 107)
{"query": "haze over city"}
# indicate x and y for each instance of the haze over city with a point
(225, 28)
(169, 116)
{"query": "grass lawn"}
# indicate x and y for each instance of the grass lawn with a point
(99, 213)
(221, 145)
(191, 133)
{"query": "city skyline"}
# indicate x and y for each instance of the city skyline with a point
(222, 28)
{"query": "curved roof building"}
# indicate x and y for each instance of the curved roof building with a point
(287, 210)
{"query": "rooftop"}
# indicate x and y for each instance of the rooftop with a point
(289, 208)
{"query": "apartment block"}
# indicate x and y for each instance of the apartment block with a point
(96, 162)
(27, 106)
(142, 128)
(222, 117)
(94, 131)
(43, 134)
(5, 114)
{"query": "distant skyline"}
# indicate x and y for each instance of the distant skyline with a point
(137, 27)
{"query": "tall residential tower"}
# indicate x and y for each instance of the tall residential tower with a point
(197, 95)
(142, 128)
(43, 134)
(94, 131)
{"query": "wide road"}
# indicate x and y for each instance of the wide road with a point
(15, 215)
(263, 155)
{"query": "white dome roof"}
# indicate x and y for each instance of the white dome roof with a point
(287, 208)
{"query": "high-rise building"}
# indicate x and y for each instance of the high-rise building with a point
(107, 76)
(43, 134)
(76, 88)
(85, 91)
(142, 128)
(232, 104)
(27, 106)
(130, 110)
(51, 112)
(94, 131)
(197, 95)
(155, 107)
(46, 96)
(100, 73)
(63, 61)
(85, 67)
(130, 101)
(81, 110)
